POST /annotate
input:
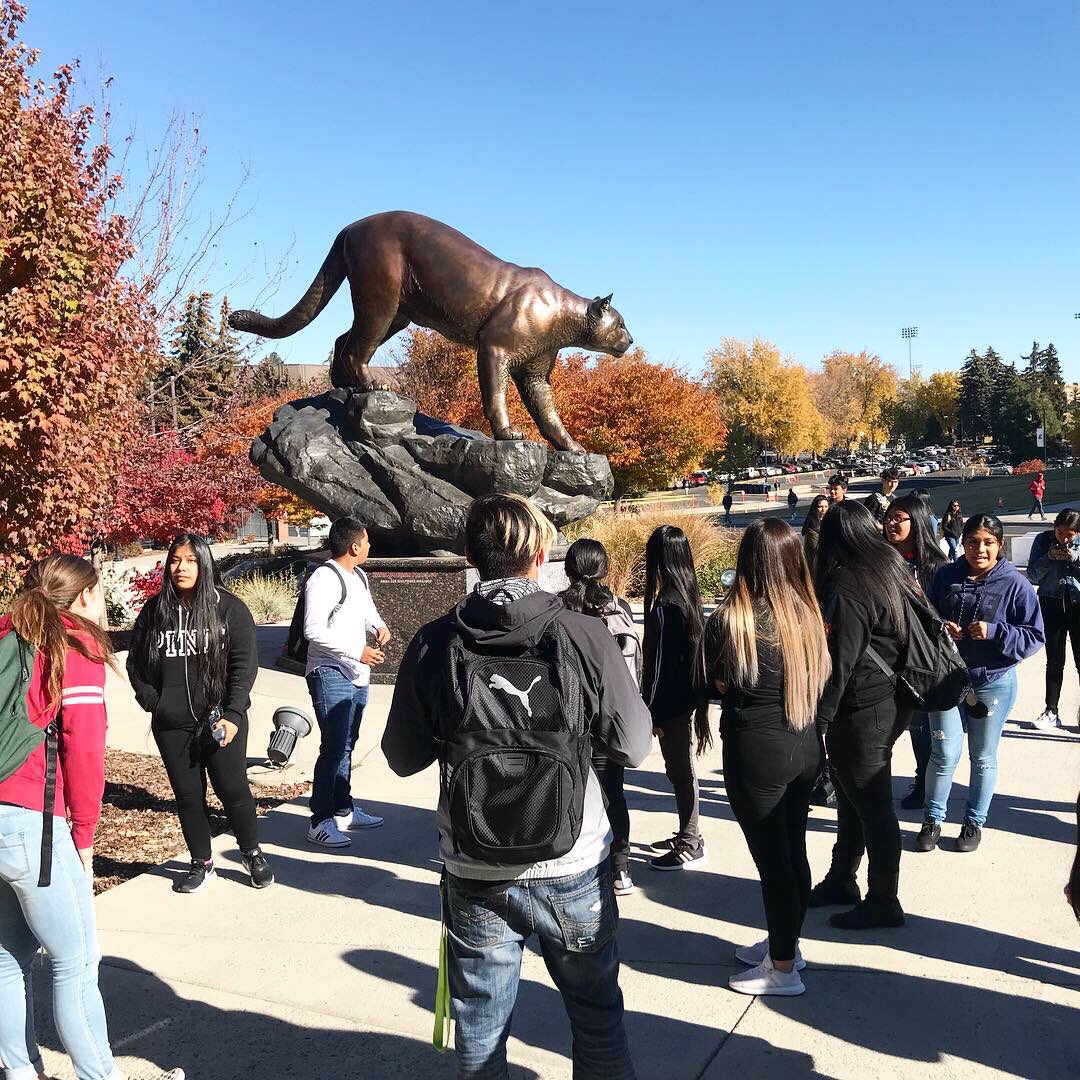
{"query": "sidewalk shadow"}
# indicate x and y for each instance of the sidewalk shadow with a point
(149, 1020)
(269, 641)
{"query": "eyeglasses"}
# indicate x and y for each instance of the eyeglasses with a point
(898, 519)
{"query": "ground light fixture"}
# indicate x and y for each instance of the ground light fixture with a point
(290, 726)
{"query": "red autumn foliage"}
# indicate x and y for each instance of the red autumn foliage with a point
(144, 585)
(76, 334)
(1034, 465)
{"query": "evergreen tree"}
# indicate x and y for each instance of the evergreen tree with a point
(1003, 380)
(269, 376)
(200, 366)
(1053, 382)
(976, 391)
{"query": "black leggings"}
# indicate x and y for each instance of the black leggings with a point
(611, 777)
(677, 747)
(769, 773)
(860, 751)
(189, 761)
(1062, 620)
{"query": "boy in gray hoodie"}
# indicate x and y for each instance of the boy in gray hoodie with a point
(490, 908)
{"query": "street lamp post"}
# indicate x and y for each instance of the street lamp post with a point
(909, 332)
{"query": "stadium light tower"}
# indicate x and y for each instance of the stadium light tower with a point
(909, 332)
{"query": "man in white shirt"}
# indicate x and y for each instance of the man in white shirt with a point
(339, 614)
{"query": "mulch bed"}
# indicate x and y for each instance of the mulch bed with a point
(139, 827)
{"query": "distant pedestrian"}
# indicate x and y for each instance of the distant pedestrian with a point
(726, 503)
(506, 691)
(992, 613)
(673, 684)
(586, 568)
(952, 525)
(1054, 567)
(339, 618)
(767, 655)
(837, 487)
(878, 502)
(792, 501)
(1037, 487)
(192, 665)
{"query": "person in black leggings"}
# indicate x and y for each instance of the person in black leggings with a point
(765, 650)
(863, 585)
(192, 664)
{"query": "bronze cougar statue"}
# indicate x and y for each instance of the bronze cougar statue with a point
(406, 268)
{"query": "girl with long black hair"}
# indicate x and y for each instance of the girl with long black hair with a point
(765, 651)
(811, 527)
(910, 529)
(673, 684)
(586, 568)
(192, 664)
(863, 585)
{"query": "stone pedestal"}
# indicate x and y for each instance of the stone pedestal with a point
(410, 478)
(412, 592)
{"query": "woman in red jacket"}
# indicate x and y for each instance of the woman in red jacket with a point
(57, 617)
(1037, 487)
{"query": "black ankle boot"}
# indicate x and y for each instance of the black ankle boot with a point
(869, 915)
(833, 889)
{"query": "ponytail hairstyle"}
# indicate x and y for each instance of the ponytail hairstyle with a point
(202, 614)
(772, 599)
(586, 566)
(670, 578)
(41, 616)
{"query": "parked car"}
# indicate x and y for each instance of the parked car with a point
(699, 478)
(1000, 469)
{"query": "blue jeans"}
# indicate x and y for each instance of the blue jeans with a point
(339, 708)
(575, 920)
(954, 546)
(984, 733)
(61, 918)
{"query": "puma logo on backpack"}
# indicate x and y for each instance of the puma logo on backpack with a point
(499, 683)
(515, 748)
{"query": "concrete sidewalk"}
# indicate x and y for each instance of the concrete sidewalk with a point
(331, 972)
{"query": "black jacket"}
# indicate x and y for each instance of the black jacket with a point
(620, 721)
(852, 622)
(667, 678)
(165, 696)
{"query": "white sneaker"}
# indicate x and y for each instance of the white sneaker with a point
(358, 819)
(1046, 720)
(754, 954)
(765, 979)
(327, 834)
(623, 883)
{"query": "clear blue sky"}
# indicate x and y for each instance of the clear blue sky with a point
(817, 174)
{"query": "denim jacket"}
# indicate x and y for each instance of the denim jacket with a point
(1055, 578)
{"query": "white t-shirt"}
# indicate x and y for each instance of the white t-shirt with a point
(339, 642)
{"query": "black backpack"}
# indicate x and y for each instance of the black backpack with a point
(515, 748)
(296, 647)
(932, 675)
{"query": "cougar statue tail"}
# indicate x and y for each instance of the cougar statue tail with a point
(327, 282)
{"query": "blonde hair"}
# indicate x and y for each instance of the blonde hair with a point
(504, 533)
(771, 575)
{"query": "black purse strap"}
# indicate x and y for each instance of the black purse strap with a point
(51, 739)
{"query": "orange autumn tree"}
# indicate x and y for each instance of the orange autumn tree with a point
(229, 439)
(653, 422)
(75, 332)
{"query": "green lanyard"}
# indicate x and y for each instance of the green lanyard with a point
(441, 1036)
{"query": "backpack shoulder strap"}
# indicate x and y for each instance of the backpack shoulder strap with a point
(344, 588)
(52, 733)
(877, 658)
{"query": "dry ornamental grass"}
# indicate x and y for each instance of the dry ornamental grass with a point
(624, 536)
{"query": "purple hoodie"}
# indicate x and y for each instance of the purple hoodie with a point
(1005, 601)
